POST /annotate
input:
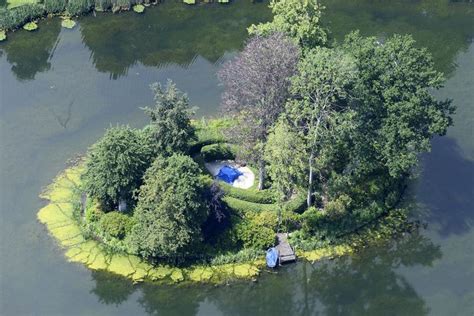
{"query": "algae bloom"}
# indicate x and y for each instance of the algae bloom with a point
(68, 23)
(139, 8)
(30, 26)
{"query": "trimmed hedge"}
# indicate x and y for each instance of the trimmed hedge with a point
(249, 195)
(297, 204)
(217, 152)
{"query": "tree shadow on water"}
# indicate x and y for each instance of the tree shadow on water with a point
(368, 283)
(446, 187)
(111, 288)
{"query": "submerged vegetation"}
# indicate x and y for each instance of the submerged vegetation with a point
(334, 131)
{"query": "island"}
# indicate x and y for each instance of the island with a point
(316, 142)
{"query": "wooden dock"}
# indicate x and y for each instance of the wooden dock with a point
(285, 251)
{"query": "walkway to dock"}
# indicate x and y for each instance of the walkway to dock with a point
(286, 252)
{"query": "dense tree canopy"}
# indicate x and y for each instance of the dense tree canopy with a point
(397, 115)
(115, 165)
(298, 19)
(170, 208)
(170, 120)
(256, 86)
(319, 87)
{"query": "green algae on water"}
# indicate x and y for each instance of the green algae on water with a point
(30, 26)
(68, 23)
(138, 8)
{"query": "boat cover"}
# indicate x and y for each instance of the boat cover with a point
(272, 257)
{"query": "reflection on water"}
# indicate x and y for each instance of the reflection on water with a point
(29, 54)
(365, 284)
(60, 88)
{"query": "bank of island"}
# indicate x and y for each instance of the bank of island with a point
(331, 131)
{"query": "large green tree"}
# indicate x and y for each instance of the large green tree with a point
(397, 115)
(298, 19)
(115, 165)
(319, 89)
(285, 153)
(170, 209)
(171, 119)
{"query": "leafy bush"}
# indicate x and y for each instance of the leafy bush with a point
(240, 206)
(115, 225)
(245, 255)
(339, 207)
(217, 152)
(257, 230)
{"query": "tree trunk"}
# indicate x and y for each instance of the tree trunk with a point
(310, 181)
(261, 174)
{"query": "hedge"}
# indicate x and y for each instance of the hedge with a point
(249, 195)
(217, 152)
(297, 204)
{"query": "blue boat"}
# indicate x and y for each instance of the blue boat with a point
(272, 257)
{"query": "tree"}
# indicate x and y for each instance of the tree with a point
(256, 86)
(319, 86)
(171, 120)
(397, 114)
(298, 19)
(115, 165)
(285, 152)
(170, 208)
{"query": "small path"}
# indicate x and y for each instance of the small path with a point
(285, 251)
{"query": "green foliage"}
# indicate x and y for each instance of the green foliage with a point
(79, 7)
(54, 6)
(115, 225)
(244, 255)
(170, 208)
(395, 85)
(171, 120)
(285, 154)
(189, 1)
(16, 3)
(257, 230)
(115, 165)
(339, 207)
(249, 195)
(3, 36)
(296, 204)
(299, 19)
(217, 152)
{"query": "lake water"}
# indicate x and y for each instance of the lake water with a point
(59, 90)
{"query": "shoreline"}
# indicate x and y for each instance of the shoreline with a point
(58, 217)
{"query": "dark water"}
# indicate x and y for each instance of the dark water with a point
(59, 90)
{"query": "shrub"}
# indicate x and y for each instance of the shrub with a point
(339, 207)
(115, 225)
(257, 230)
(217, 152)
